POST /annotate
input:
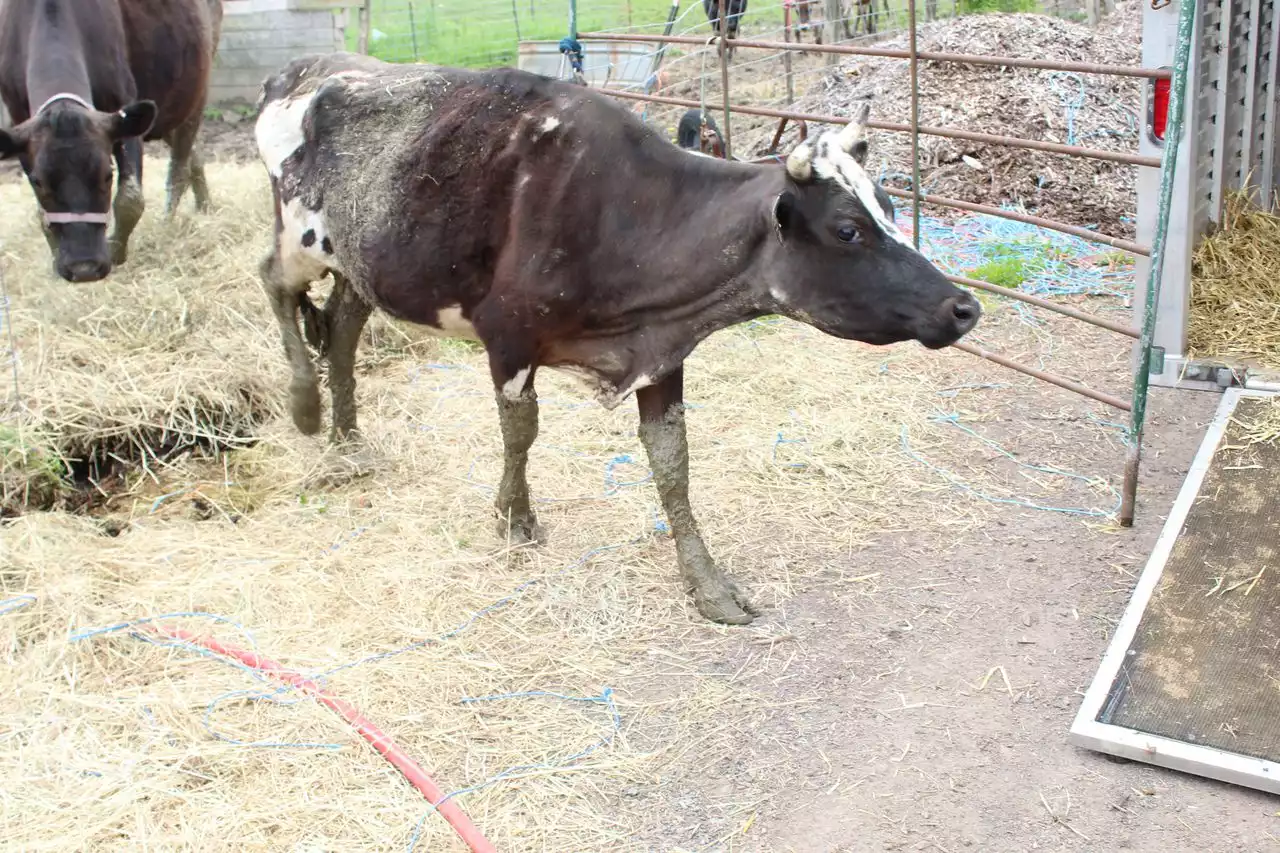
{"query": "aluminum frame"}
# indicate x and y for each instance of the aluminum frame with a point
(1136, 745)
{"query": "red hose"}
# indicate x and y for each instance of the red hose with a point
(375, 736)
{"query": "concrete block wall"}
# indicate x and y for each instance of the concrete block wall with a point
(259, 36)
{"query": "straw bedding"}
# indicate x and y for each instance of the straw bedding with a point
(1235, 287)
(114, 743)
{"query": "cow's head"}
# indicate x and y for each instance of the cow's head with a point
(66, 151)
(841, 264)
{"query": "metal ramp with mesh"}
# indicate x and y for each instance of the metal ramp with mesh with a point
(1191, 680)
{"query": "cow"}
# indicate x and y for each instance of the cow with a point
(549, 223)
(804, 21)
(733, 10)
(698, 132)
(87, 81)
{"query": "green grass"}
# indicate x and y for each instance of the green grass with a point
(483, 34)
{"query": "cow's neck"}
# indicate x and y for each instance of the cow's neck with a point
(56, 58)
(723, 222)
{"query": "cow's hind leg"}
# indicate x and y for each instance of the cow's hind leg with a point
(345, 314)
(285, 297)
(186, 167)
(662, 431)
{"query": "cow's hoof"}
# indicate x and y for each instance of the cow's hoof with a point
(521, 531)
(304, 406)
(119, 253)
(720, 601)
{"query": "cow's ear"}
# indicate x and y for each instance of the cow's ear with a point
(785, 215)
(134, 120)
(12, 143)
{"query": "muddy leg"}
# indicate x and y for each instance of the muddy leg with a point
(304, 392)
(347, 313)
(181, 145)
(662, 431)
(199, 184)
(129, 203)
(518, 415)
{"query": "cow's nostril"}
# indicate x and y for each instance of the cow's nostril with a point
(965, 311)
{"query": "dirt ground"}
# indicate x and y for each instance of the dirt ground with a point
(887, 740)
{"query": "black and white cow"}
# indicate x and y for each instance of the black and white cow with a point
(539, 218)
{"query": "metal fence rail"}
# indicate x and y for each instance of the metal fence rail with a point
(1137, 405)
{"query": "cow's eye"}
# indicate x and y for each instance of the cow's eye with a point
(847, 234)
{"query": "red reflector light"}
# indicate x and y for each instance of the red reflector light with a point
(1160, 109)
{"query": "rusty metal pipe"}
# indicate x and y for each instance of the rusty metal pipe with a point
(931, 56)
(1083, 316)
(1051, 224)
(1051, 378)
(946, 132)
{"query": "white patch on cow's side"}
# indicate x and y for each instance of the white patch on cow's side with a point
(278, 130)
(514, 386)
(451, 323)
(550, 123)
(302, 257)
(778, 294)
(831, 161)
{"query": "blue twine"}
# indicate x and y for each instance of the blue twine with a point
(9, 605)
(605, 698)
(958, 483)
(320, 678)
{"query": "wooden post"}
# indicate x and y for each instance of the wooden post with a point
(366, 13)
(723, 44)
(832, 12)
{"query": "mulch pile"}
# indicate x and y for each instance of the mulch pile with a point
(1087, 110)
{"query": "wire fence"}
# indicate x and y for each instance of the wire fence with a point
(486, 33)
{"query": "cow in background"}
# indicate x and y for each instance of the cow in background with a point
(697, 131)
(86, 82)
(734, 11)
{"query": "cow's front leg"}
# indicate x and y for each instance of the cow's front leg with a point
(129, 203)
(346, 314)
(662, 431)
(304, 390)
(518, 415)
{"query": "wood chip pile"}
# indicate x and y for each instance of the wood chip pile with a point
(1091, 111)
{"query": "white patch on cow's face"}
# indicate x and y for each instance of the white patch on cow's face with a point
(515, 385)
(278, 131)
(304, 237)
(550, 123)
(832, 162)
(450, 322)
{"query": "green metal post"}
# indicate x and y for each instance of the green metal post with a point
(1173, 140)
(573, 19)
(915, 127)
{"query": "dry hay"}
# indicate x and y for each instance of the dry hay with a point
(1022, 103)
(138, 368)
(1235, 286)
(111, 740)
